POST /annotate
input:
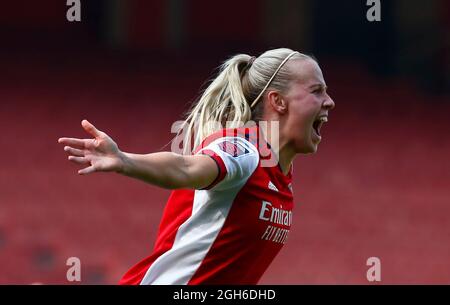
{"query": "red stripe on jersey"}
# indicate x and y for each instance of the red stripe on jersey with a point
(220, 166)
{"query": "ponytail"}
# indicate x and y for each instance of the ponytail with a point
(221, 105)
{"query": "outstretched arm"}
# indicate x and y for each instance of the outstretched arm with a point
(165, 169)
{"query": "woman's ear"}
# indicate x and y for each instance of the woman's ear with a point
(277, 102)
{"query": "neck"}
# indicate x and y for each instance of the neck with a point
(284, 154)
(286, 158)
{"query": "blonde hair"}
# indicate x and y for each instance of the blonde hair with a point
(241, 82)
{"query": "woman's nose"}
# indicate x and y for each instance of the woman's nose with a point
(329, 103)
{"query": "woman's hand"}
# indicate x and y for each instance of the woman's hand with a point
(100, 154)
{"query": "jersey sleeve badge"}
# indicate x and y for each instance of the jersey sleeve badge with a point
(233, 149)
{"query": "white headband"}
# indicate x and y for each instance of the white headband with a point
(270, 80)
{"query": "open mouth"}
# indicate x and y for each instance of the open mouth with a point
(318, 124)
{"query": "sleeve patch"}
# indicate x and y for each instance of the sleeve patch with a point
(233, 149)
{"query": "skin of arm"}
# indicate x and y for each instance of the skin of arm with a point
(170, 170)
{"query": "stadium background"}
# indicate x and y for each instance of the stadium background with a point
(379, 185)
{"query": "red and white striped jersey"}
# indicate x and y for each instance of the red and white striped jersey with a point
(229, 232)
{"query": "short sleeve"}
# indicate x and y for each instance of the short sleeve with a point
(236, 159)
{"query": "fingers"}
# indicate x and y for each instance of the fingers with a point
(79, 160)
(79, 143)
(75, 147)
(90, 128)
(74, 151)
(86, 170)
(82, 160)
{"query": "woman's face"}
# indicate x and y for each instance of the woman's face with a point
(308, 105)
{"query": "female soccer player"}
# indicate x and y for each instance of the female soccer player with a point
(231, 209)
